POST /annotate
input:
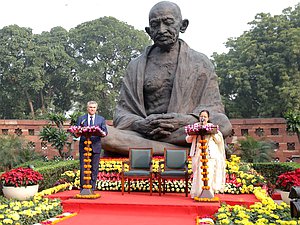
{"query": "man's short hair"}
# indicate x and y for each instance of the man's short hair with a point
(92, 103)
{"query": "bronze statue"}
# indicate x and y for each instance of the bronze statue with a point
(164, 89)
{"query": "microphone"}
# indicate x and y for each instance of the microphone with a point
(202, 119)
(82, 123)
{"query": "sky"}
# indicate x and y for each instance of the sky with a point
(211, 22)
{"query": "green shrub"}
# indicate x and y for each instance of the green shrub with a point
(15, 150)
(52, 172)
(271, 170)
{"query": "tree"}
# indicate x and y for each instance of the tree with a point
(103, 48)
(36, 73)
(293, 122)
(18, 73)
(59, 70)
(260, 74)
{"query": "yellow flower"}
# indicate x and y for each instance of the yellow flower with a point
(15, 216)
(222, 216)
(225, 221)
(8, 221)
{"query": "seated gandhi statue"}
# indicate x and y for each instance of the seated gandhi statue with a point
(164, 89)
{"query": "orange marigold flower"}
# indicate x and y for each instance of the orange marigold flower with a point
(87, 172)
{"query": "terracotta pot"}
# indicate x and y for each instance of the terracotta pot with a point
(20, 193)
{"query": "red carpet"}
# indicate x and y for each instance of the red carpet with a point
(141, 208)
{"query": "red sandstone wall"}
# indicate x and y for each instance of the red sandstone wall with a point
(273, 129)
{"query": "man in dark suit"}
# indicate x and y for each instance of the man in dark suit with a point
(91, 119)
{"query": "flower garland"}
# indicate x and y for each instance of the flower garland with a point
(209, 195)
(87, 187)
(213, 199)
(204, 221)
(87, 130)
(57, 219)
(198, 129)
(89, 196)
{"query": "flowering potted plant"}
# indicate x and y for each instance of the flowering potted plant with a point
(286, 181)
(20, 183)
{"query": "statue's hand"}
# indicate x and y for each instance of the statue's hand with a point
(153, 129)
(157, 126)
(169, 123)
(173, 121)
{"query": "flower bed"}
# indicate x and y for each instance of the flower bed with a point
(31, 211)
(239, 180)
(28, 212)
(240, 177)
(264, 212)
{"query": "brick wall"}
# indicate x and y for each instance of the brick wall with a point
(270, 128)
(267, 128)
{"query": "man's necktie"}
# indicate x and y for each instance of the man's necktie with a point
(91, 121)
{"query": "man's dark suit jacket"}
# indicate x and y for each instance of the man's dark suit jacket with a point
(96, 140)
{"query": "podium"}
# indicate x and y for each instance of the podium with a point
(202, 130)
(87, 132)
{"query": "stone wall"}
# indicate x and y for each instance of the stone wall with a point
(269, 128)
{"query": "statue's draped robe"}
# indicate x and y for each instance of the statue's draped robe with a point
(195, 88)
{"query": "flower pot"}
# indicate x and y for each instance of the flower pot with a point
(20, 193)
(285, 196)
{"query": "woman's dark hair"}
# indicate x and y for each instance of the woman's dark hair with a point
(204, 110)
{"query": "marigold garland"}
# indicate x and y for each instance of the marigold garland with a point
(214, 199)
(87, 186)
(92, 196)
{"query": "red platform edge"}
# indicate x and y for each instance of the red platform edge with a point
(142, 202)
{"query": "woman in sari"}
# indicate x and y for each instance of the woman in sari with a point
(216, 159)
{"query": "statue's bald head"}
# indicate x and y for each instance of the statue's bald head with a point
(165, 24)
(167, 7)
